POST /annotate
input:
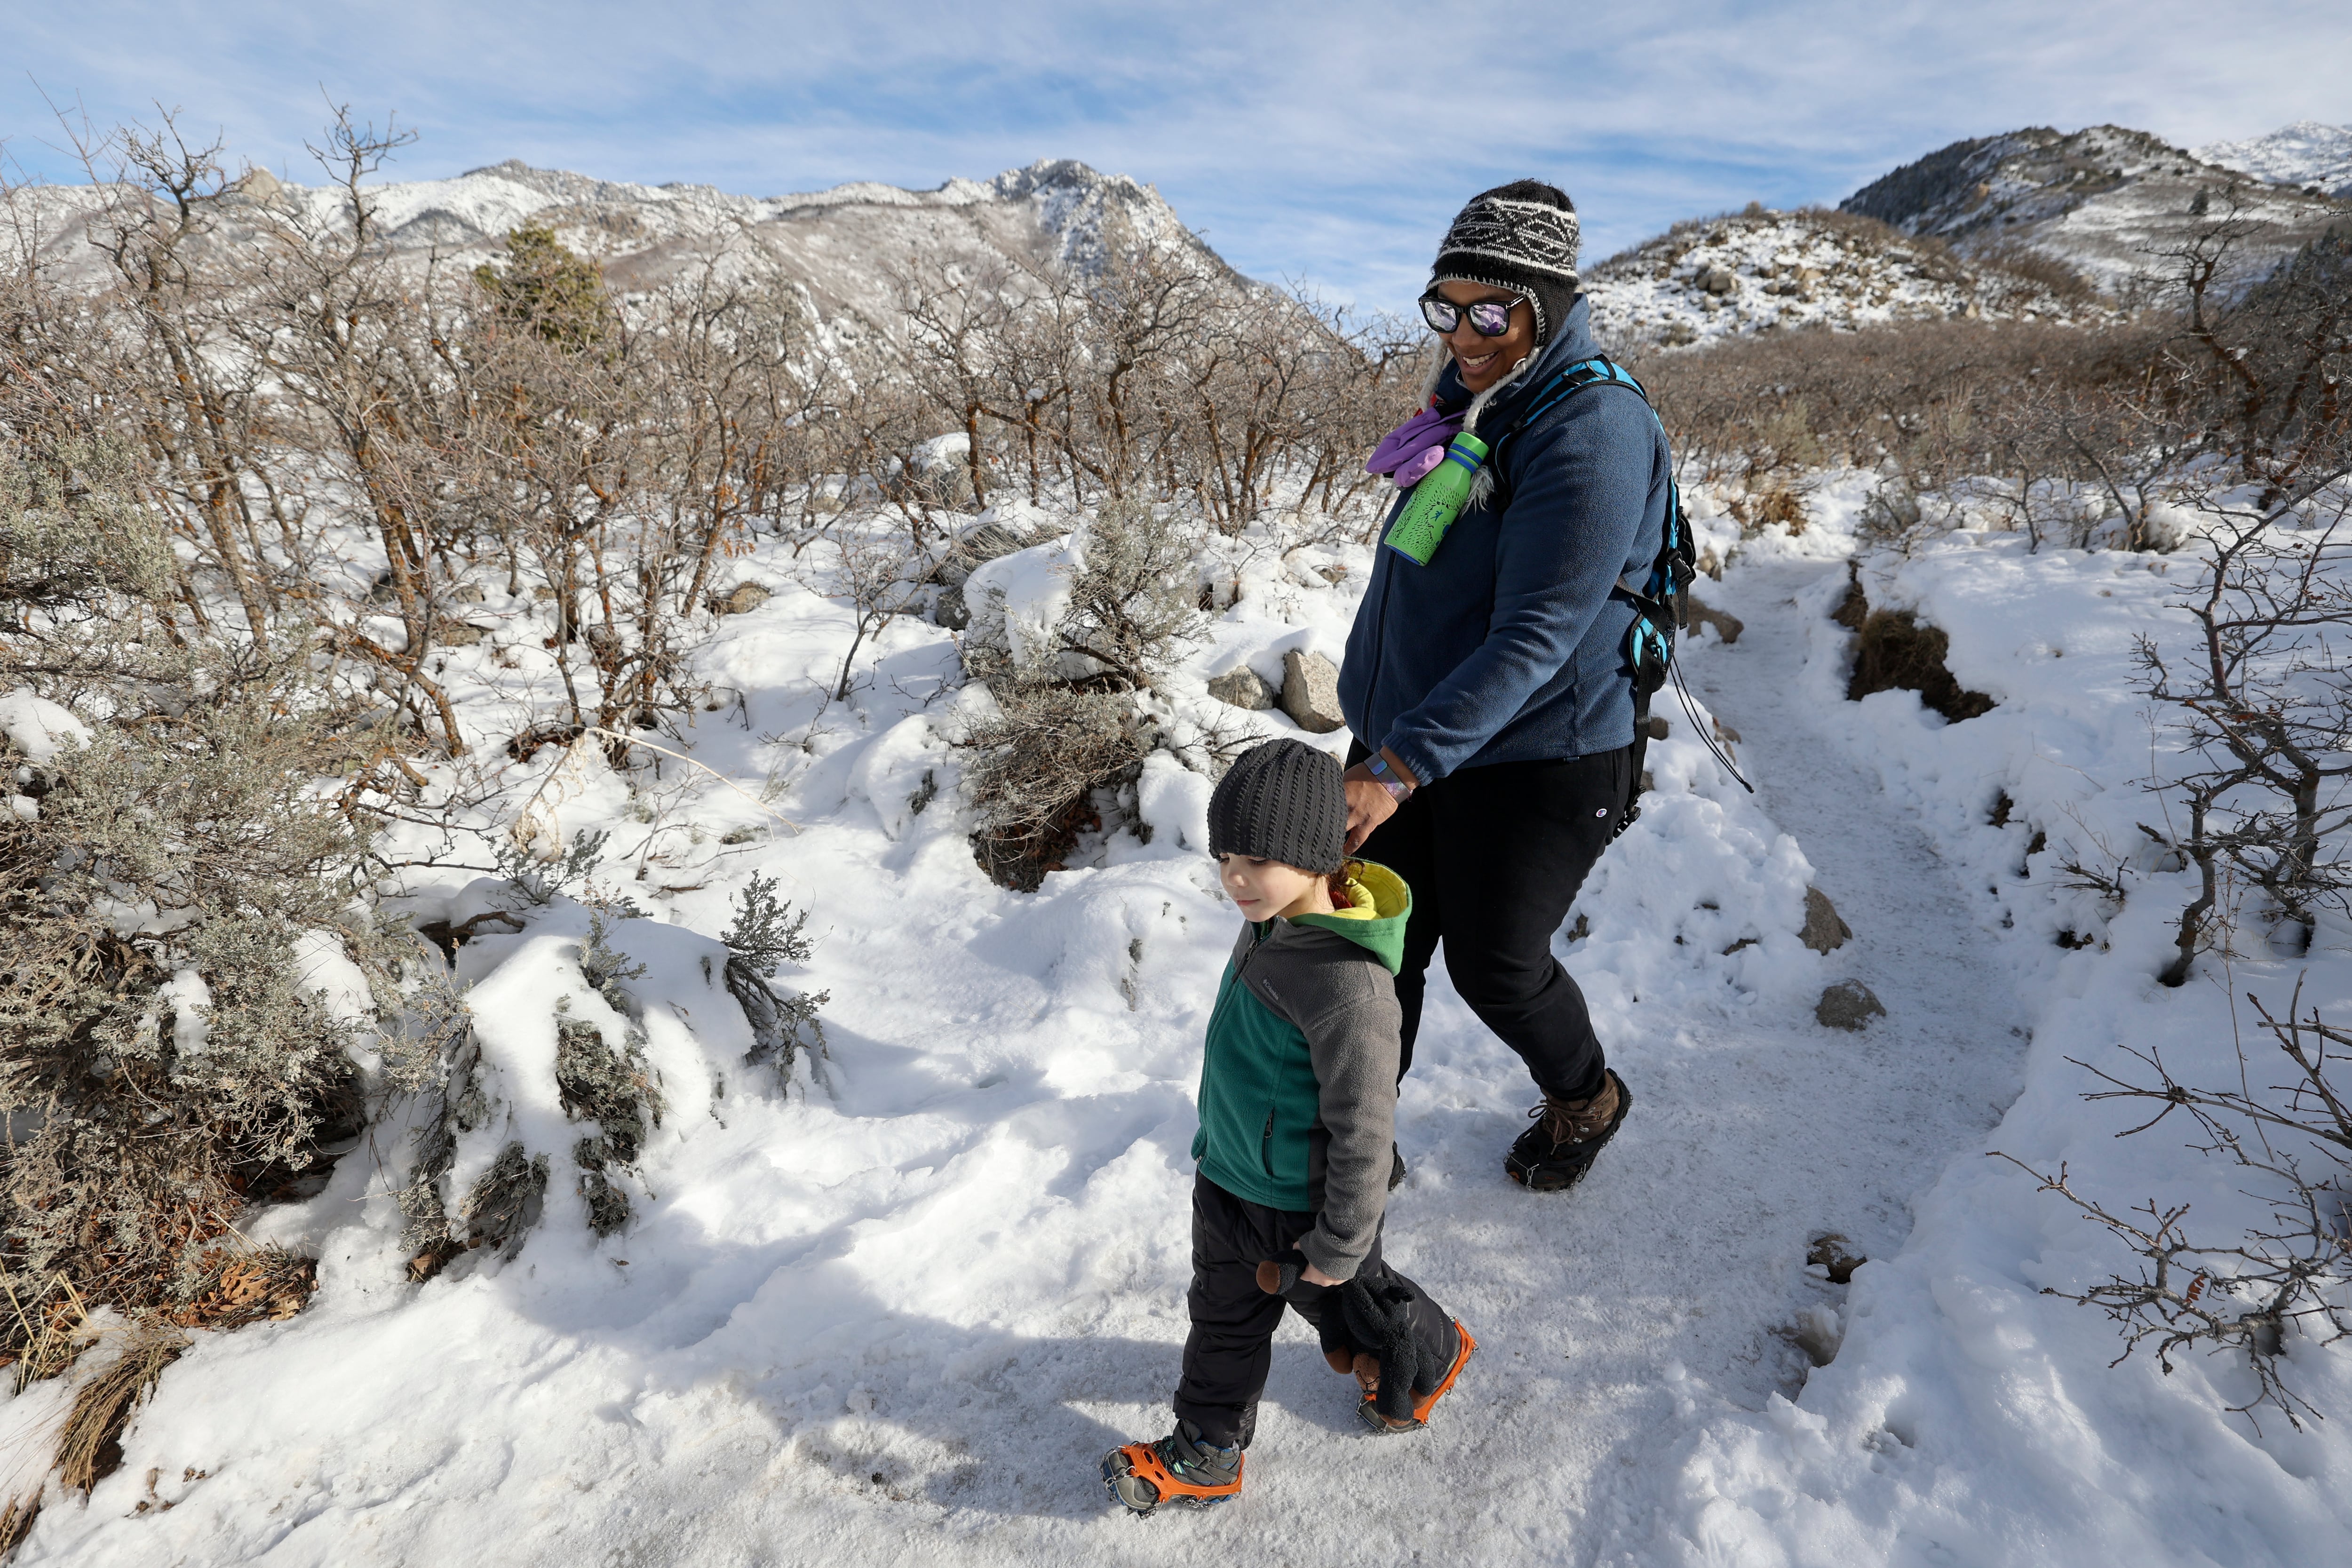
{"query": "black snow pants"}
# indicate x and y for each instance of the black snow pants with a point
(1230, 1347)
(1495, 856)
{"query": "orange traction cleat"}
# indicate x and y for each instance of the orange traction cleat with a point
(1178, 1469)
(1381, 1424)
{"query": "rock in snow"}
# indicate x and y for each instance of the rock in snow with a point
(1310, 692)
(740, 600)
(1848, 1004)
(1825, 931)
(1242, 688)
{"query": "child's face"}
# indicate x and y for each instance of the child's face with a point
(1263, 889)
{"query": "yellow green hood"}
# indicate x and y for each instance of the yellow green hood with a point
(1381, 903)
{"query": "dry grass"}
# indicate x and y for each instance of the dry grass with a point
(1896, 649)
(89, 1448)
(50, 1332)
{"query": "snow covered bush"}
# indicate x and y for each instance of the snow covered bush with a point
(1072, 637)
(170, 859)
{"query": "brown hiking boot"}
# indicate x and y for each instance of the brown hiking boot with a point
(1559, 1149)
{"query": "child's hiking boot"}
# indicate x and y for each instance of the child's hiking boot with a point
(1368, 1376)
(1559, 1149)
(1179, 1468)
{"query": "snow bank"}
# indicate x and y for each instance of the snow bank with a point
(1967, 1418)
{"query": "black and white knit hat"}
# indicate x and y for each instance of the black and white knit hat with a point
(1282, 801)
(1522, 237)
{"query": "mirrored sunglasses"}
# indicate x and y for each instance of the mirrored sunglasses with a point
(1488, 318)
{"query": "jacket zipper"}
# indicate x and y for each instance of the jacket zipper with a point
(1266, 1143)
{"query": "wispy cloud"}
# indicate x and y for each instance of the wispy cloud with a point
(1322, 142)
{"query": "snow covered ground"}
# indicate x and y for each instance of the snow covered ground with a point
(895, 1310)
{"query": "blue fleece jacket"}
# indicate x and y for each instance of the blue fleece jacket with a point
(1509, 646)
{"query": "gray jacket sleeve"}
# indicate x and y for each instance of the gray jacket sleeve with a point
(1352, 1038)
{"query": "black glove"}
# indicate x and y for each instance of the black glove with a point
(1380, 1319)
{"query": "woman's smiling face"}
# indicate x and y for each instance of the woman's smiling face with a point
(1483, 362)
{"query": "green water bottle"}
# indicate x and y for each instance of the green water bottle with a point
(1436, 502)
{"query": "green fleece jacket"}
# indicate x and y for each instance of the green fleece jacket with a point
(1298, 1075)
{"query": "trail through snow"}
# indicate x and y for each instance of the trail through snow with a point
(901, 1321)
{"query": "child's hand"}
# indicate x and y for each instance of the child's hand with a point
(1275, 1276)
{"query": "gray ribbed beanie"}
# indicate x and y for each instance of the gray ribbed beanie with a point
(1282, 801)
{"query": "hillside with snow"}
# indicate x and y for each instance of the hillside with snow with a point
(2105, 201)
(2307, 155)
(1752, 272)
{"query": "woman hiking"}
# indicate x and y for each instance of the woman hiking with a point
(1489, 687)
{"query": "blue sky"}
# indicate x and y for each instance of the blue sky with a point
(1320, 143)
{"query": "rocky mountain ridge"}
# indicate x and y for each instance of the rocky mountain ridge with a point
(1760, 269)
(2312, 156)
(2105, 201)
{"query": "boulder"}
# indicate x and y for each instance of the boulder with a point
(457, 634)
(1310, 692)
(951, 612)
(1848, 1004)
(468, 593)
(740, 600)
(975, 547)
(1823, 932)
(1241, 688)
(1718, 279)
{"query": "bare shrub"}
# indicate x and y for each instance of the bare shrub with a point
(2261, 706)
(1135, 593)
(1066, 728)
(2242, 1295)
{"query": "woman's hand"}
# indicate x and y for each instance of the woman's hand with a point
(1370, 801)
(1368, 805)
(1315, 1276)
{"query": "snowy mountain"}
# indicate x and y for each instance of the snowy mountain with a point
(1713, 278)
(841, 243)
(2100, 200)
(2306, 154)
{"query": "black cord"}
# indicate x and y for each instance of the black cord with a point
(1705, 732)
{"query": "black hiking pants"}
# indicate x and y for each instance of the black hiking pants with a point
(1494, 855)
(1230, 1347)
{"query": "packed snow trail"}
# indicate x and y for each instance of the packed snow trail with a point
(900, 1317)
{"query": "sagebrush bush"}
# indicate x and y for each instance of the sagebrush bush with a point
(1057, 736)
(163, 1064)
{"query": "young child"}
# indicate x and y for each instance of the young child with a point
(1298, 1123)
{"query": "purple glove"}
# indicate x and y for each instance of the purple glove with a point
(1408, 452)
